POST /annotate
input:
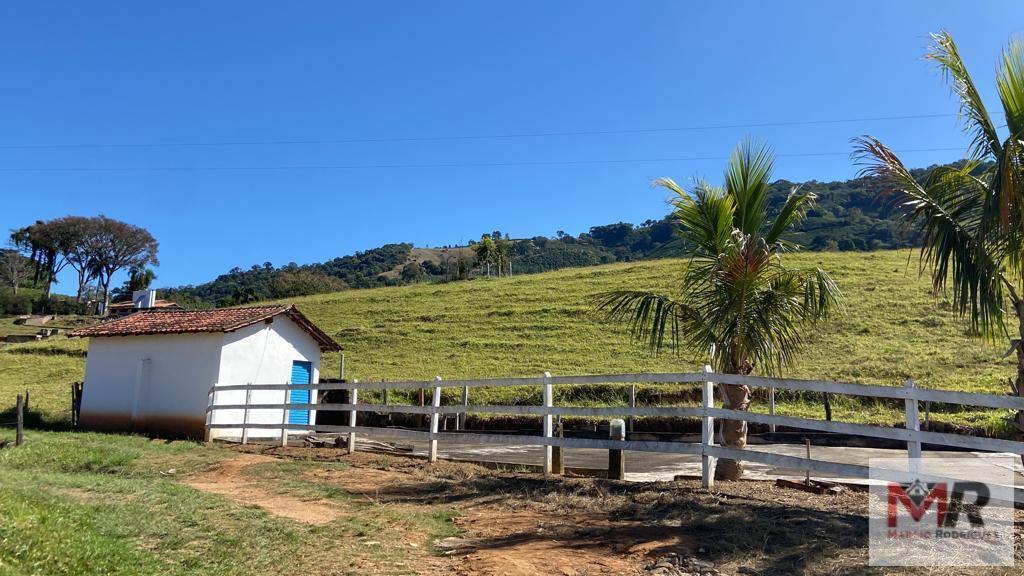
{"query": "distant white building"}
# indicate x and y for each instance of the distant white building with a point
(151, 371)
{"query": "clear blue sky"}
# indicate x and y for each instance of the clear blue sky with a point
(143, 74)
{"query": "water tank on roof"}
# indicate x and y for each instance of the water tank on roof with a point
(143, 299)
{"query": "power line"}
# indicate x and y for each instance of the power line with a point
(437, 165)
(790, 123)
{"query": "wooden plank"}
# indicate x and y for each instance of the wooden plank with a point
(793, 462)
(633, 445)
(969, 442)
(819, 425)
(872, 391)
(813, 487)
(682, 412)
(653, 378)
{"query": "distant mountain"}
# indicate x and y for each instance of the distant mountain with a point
(848, 215)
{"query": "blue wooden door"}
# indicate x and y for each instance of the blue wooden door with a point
(301, 374)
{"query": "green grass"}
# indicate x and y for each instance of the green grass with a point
(81, 503)
(895, 329)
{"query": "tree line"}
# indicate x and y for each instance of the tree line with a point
(96, 248)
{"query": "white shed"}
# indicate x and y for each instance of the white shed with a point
(152, 371)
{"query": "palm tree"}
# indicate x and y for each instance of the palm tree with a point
(971, 215)
(737, 304)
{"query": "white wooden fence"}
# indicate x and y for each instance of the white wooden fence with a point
(706, 412)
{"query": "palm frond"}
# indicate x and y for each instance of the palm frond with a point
(705, 217)
(821, 295)
(654, 319)
(977, 123)
(793, 211)
(746, 179)
(1010, 84)
(958, 244)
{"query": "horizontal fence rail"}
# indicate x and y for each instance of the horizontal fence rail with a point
(910, 394)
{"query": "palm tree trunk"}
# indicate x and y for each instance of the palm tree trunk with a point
(733, 432)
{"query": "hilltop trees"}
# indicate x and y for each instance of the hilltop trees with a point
(45, 243)
(737, 305)
(96, 248)
(493, 249)
(972, 215)
(15, 269)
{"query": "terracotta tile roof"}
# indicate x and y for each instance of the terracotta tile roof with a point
(164, 321)
(129, 304)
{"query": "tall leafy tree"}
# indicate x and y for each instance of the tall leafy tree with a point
(736, 304)
(77, 245)
(117, 246)
(972, 216)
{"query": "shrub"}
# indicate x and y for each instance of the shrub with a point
(15, 305)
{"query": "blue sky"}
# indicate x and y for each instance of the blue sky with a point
(123, 108)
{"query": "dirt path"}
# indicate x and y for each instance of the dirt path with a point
(502, 541)
(228, 480)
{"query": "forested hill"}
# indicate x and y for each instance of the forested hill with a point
(849, 215)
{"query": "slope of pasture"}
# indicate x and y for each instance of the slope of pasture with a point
(894, 330)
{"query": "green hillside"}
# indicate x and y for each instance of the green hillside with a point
(849, 215)
(525, 325)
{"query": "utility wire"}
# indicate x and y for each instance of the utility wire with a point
(437, 165)
(473, 137)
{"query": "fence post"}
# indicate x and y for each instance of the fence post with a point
(211, 404)
(353, 397)
(74, 404)
(433, 421)
(557, 463)
(632, 404)
(913, 422)
(549, 401)
(245, 416)
(771, 408)
(616, 456)
(460, 421)
(707, 433)
(284, 420)
(19, 430)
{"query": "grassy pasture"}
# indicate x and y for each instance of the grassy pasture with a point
(82, 503)
(894, 329)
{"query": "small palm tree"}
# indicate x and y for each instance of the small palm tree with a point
(736, 303)
(972, 215)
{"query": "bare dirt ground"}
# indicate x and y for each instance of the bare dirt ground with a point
(228, 480)
(523, 525)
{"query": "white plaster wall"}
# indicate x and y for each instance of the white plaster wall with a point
(156, 383)
(262, 354)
